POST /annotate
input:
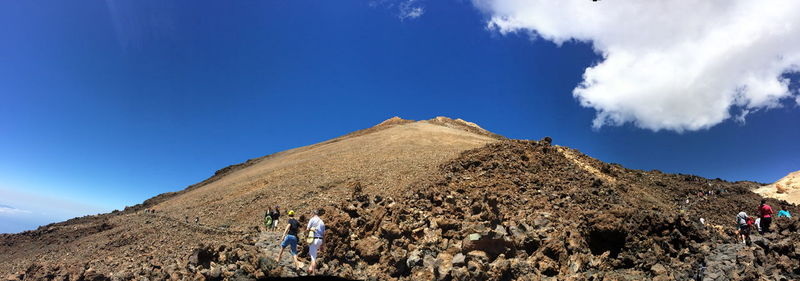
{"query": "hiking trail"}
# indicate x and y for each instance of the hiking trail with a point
(268, 243)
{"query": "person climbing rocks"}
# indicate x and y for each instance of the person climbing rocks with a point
(268, 219)
(289, 238)
(275, 215)
(316, 231)
(742, 220)
(765, 212)
(783, 213)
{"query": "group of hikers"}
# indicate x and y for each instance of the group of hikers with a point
(762, 223)
(314, 238)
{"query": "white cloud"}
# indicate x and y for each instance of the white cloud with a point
(406, 9)
(410, 9)
(673, 65)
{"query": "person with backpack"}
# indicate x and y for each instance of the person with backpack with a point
(268, 220)
(765, 212)
(784, 213)
(289, 238)
(275, 216)
(743, 223)
(316, 231)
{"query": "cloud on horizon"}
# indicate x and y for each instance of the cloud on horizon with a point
(32, 210)
(669, 65)
(9, 210)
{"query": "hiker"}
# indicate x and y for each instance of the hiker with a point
(197, 220)
(268, 220)
(275, 215)
(289, 238)
(783, 213)
(316, 230)
(765, 212)
(744, 227)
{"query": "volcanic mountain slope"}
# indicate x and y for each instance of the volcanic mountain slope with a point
(467, 205)
(787, 188)
(384, 159)
(523, 210)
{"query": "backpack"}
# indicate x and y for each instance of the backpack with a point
(310, 237)
(741, 219)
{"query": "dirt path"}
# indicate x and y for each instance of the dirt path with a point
(585, 166)
(722, 260)
(268, 242)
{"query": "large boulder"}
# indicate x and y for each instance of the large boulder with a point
(202, 256)
(370, 249)
(486, 243)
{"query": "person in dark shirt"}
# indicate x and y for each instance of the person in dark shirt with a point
(268, 220)
(289, 238)
(275, 215)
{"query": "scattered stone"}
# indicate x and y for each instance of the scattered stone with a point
(459, 259)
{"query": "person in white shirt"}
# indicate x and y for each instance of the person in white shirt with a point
(316, 230)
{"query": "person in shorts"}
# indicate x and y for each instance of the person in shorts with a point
(289, 238)
(743, 222)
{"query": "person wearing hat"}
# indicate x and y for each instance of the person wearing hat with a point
(289, 238)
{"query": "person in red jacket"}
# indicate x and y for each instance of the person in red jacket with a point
(765, 212)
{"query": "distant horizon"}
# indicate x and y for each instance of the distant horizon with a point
(107, 104)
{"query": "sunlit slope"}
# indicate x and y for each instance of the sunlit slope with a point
(383, 159)
(787, 188)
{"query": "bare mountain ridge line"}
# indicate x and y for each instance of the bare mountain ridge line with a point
(394, 121)
(384, 158)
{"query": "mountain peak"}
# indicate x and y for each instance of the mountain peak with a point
(394, 121)
(462, 124)
(458, 124)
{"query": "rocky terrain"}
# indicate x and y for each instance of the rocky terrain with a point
(440, 199)
(527, 210)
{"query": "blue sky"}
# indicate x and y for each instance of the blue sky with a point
(104, 104)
